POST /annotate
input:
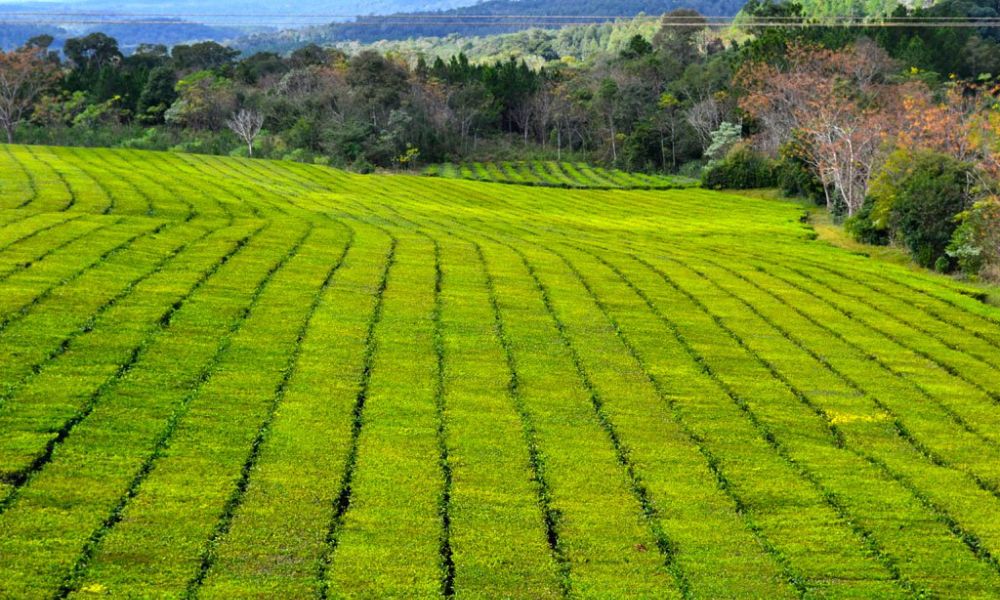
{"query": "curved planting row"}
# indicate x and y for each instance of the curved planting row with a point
(558, 174)
(230, 378)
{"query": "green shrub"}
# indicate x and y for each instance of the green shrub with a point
(975, 245)
(863, 228)
(741, 169)
(362, 166)
(917, 197)
(795, 178)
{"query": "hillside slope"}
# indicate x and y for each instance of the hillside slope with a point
(483, 19)
(233, 378)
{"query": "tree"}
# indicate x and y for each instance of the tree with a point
(259, 66)
(608, 98)
(471, 104)
(204, 101)
(668, 121)
(246, 123)
(723, 139)
(157, 95)
(680, 33)
(377, 83)
(309, 55)
(91, 52)
(637, 47)
(838, 101)
(705, 117)
(975, 245)
(917, 196)
(202, 56)
(24, 75)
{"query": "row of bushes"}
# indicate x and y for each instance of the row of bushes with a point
(742, 169)
(930, 203)
(935, 206)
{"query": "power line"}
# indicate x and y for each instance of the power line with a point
(488, 16)
(482, 20)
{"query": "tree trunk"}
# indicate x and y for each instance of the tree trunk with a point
(673, 150)
(614, 146)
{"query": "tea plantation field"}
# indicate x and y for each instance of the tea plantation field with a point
(558, 174)
(223, 378)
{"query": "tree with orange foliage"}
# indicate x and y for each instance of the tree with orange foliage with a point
(25, 74)
(939, 125)
(983, 131)
(837, 102)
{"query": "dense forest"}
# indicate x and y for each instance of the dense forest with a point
(483, 19)
(859, 119)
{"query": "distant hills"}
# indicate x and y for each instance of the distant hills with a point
(486, 18)
(509, 15)
(283, 24)
(176, 21)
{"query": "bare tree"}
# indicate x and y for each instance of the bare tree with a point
(523, 114)
(844, 134)
(24, 74)
(705, 117)
(246, 124)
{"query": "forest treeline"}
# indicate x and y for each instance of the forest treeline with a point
(895, 129)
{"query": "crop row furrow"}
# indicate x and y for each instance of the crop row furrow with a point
(246, 190)
(865, 535)
(162, 370)
(535, 455)
(206, 191)
(878, 439)
(123, 196)
(72, 199)
(160, 199)
(27, 263)
(441, 410)
(20, 477)
(908, 321)
(712, 461)
(939, 512)
(276, 536)
(88, 190)
(602, 530)
(28, 229)
(884, 288)
(54, 193)
(123, 180)
(13, 384)
(892, 390)
(909, 343)
(25, 297)
(904, 362)
(236, 498)
(70, 582)
(393, 527)
(494, 515)
(343, 500)
(666, 546)
(29, 179)
(793, 579)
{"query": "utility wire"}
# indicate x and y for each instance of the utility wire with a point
(485, 20)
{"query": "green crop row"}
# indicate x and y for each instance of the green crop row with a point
(245, 378)
(557, 174)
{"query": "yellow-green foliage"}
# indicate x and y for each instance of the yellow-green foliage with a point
(232, 378)
(559, 174)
